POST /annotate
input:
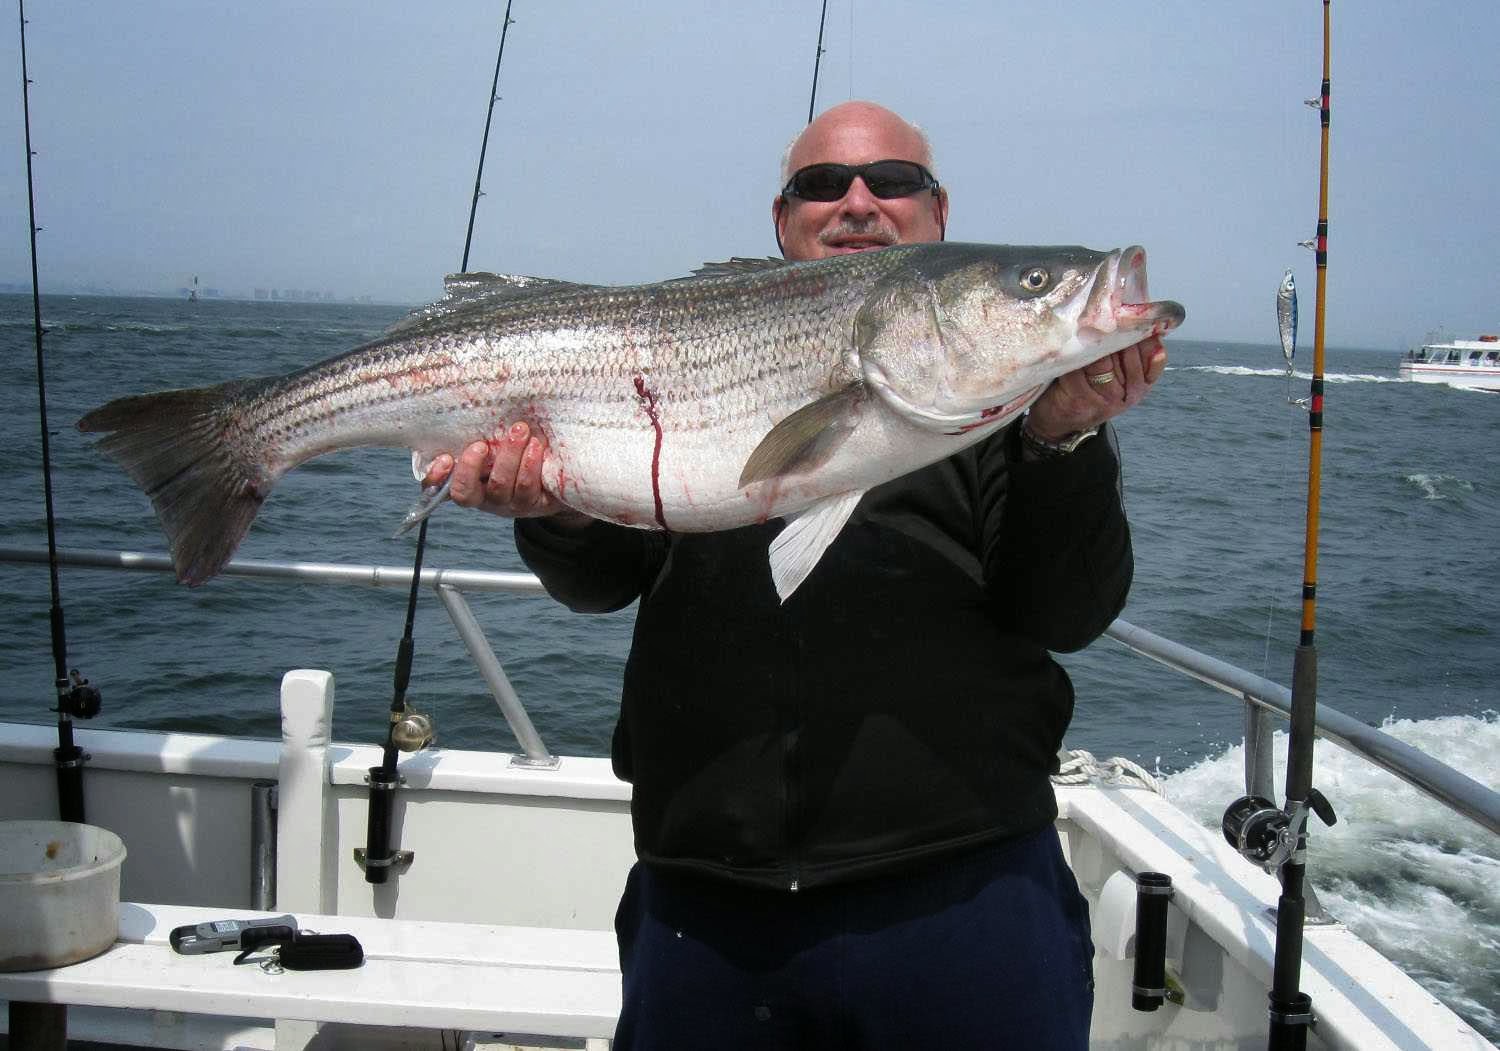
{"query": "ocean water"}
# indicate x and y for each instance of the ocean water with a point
(1215, 469)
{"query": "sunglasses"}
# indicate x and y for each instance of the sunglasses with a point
(885, 179)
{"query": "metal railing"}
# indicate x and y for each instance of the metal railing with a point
(1454, 790)
(1262, 697)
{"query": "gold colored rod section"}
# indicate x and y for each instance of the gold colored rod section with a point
(1315, 404)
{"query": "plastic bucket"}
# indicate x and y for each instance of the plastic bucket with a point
(59, 893)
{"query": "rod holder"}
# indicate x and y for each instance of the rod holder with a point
(1290, 1020)
(1152, 892)
(379, 858)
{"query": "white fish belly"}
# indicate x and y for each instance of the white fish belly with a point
(689, 480)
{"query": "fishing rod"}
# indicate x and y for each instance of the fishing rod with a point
(817, 61)
(484, 144)
(410, 731)
(76, 698)
(1277, 839)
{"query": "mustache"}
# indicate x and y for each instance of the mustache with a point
(848, 229)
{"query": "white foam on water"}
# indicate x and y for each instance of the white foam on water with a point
(1439, 486)
(1246, 370)
(1415, 880)
(1227, 370)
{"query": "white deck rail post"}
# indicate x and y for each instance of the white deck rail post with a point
(306, 877)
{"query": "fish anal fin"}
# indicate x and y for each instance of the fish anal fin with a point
(800, 546)
(805, 439)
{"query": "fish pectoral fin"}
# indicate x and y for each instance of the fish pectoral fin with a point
(799, 547)
(807, 438)
(432, 497)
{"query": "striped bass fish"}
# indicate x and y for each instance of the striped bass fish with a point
(752, 390)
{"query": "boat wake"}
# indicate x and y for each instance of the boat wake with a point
(1246, 370)
(1415, 880)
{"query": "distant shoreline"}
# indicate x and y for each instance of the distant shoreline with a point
(15, 289)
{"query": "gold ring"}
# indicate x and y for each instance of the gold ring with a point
(1100, 379)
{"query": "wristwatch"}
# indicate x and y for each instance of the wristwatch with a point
(1045, 450)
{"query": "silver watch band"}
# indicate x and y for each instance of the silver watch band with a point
(1050, 450)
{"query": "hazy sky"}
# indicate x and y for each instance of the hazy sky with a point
(331, 146)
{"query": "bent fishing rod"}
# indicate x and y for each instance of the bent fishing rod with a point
(410, 731)
(1277, 839)
(76, 698)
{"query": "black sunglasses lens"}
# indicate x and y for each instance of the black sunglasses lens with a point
(822, 182)
(887, 180)
(890, 179)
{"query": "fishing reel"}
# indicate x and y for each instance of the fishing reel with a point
(77, 697)
(1268, 835)
(412, 731)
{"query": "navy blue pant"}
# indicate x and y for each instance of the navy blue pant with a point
(989, 949)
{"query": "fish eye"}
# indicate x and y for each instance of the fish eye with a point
(1035, 279)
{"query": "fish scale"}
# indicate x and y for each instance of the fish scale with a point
(754, 389)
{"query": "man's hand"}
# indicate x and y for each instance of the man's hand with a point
(1082, 399)
(503, 476)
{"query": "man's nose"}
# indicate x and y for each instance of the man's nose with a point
(859, 200)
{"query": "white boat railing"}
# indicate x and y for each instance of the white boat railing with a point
(1262, 697)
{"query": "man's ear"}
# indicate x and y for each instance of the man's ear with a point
(778, 210)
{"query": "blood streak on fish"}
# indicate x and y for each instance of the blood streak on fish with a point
(648, 402)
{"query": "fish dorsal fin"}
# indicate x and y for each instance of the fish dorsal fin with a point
(476, 290)
(503, 286)
(799, 547)
(741, 265)
(807, 438)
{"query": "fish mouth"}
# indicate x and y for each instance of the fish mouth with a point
(1119, 302)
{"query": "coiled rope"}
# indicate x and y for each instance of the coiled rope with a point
(1080, 767)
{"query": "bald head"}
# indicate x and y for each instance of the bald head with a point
(850, 125)
(855, 133)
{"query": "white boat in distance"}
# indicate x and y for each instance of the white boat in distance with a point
(1473, 364)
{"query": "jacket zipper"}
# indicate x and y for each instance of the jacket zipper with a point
(792, 780)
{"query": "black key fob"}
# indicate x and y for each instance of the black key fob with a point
(321, 952)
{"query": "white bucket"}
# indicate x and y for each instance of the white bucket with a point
(59, 893)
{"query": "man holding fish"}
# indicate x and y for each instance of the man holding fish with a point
(841, 800)
(852, 546)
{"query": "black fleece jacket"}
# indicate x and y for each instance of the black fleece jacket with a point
(902, 703)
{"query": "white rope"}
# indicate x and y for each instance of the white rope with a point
(1081, 768)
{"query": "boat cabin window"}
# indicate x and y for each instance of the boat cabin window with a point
(1474, 357)
(1492, 358)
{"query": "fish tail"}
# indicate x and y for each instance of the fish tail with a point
(191, 453)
